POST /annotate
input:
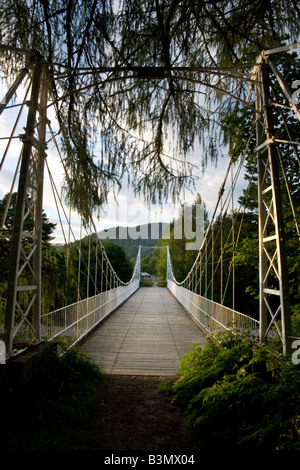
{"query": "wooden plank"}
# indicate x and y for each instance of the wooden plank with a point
(147, 335)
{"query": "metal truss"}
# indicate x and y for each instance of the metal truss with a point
(23, 308)
(274, 297)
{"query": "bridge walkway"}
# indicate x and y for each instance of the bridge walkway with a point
(147, 335)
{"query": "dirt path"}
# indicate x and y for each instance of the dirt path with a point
(132, 414)
(129, 413)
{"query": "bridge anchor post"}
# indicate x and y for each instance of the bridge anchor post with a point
(273, 271)
(26, 245)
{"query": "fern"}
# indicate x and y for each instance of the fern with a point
(242, 393)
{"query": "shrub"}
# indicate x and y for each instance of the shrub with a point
(244, 394)
(54, 406)
(146, 283)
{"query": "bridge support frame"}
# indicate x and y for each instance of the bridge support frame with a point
(274, 305)
(26, 245)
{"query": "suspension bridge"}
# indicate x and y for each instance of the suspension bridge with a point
(126, 328)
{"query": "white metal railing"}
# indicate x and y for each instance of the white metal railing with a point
(75, 321)
(211, 316)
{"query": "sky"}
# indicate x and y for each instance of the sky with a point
(128, 210)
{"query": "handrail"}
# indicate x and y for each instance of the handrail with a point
(77, 320)
(211, 316)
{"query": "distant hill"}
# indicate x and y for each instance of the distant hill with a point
(130, 238)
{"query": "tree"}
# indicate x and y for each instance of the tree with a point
(47, 229)
(148, 265)
(136, 84)
(47, 226)
(238, 126)
(182, 259)
(87, 273)
(49, 277)
(119, 260)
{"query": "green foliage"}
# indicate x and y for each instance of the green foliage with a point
(182, 258)
(146, 283)
(61, 283)
(161, 283)
(243, 394)
(47, 226)
(161, 260)
(55, 406)
(296, 320)
(70, 366)
(148, 265)
(119, 260)
(7, 207)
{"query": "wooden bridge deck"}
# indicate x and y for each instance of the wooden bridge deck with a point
(147, 335)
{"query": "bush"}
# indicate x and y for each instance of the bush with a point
(243, 394)
(146, 283)
(54, 406)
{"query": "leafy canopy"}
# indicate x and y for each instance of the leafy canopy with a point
(136, 82)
